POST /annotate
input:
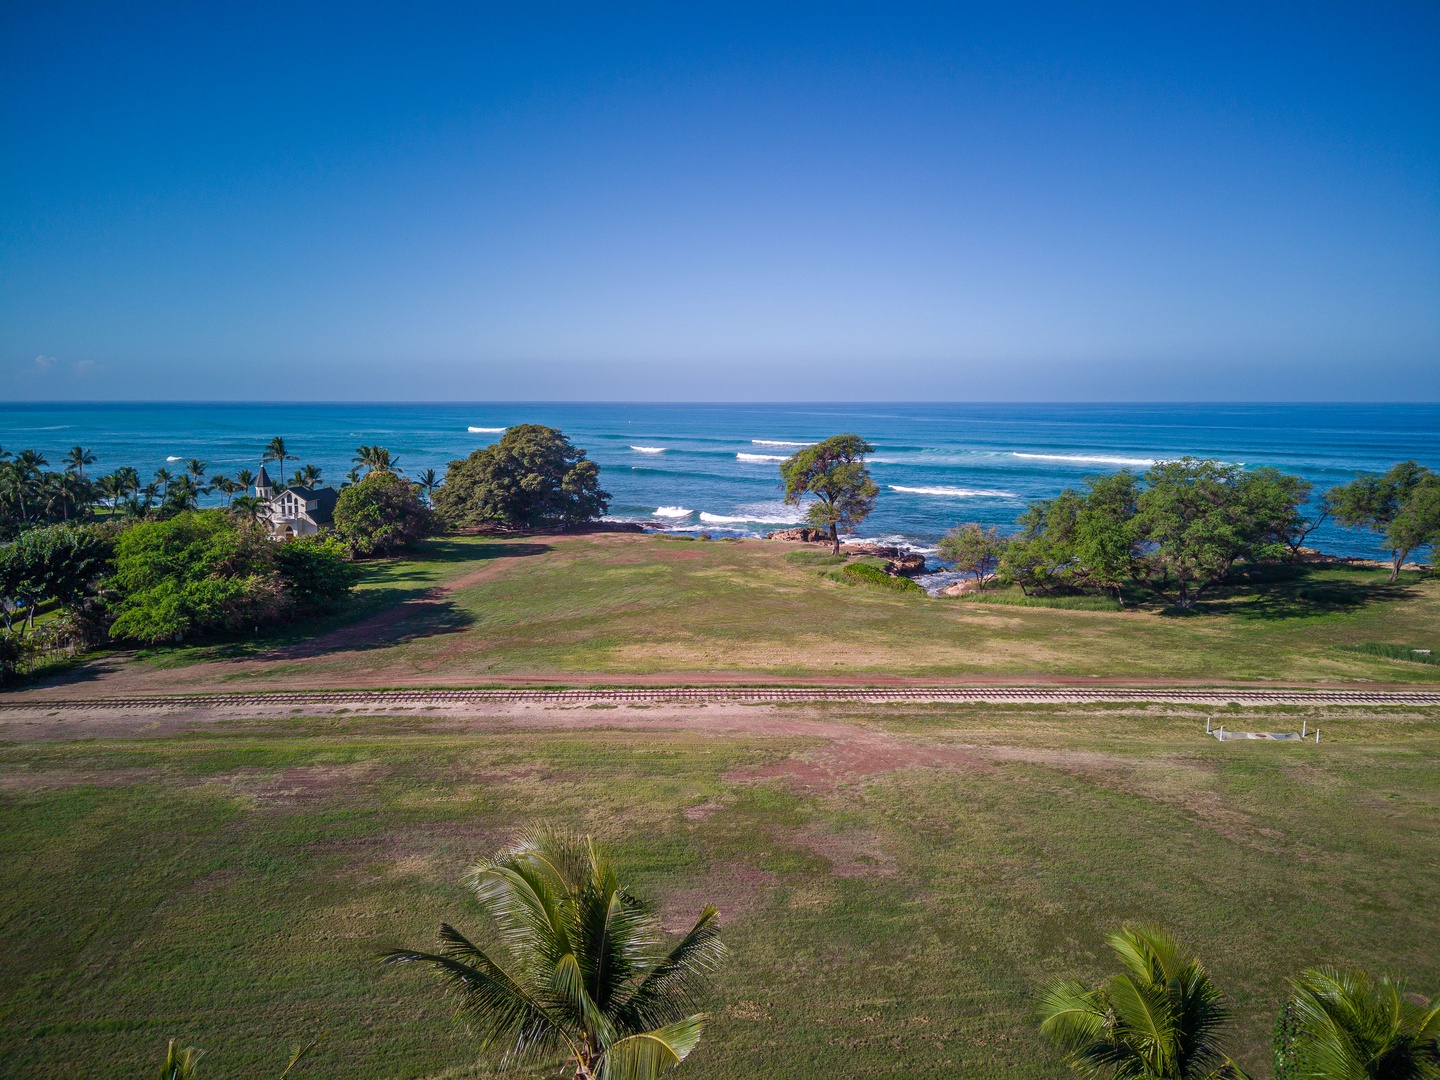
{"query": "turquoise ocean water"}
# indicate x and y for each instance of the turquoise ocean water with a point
(713, 467)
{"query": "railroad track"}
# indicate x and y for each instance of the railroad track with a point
(725, 694)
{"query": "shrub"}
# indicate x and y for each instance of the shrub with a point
(198, 572)
(533, 477)
(316, 570)
(381, 515)
(870, 575)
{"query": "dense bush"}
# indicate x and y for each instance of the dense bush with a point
(316, 570)
(872, 575)
(534, 477)
(1177, 530)
(207, 571)
(198, 572)
(381, 515)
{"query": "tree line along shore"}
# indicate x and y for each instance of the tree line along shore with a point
(104, 558)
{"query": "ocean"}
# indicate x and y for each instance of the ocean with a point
(713, 467)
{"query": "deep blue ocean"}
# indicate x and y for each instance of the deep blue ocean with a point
(714, 467)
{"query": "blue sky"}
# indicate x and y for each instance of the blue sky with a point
(681, 202)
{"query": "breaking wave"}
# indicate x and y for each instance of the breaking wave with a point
(760, 457)
(957, 492)
(672, 511)
(1088, 459)
(173, 457)
(485, 430)
(778, 442)
(649, 449)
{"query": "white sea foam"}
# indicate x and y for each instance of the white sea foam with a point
(486, 430)
(1088, 459)
(778, 442)
(744, 519)
(649, 449)
(173, 457)
(957, 492)
(760, 457)
(672, 511)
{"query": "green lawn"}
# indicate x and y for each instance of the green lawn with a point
(230, 883)
(627, 605)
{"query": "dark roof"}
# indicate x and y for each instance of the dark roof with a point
(263, 480)
(323, 513)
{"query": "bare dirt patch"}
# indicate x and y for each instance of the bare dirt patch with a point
(857, 853)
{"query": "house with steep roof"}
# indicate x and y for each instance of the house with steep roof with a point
(295, 511)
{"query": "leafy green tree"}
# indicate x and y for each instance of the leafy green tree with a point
(1105, 542)
(973, 550)
(316, 570)
(833, 472)
(63, 563)
(1160, 1019)
(198, 572)
(1400, 505)
(1350, 1026)
(381, 515)
(576, 969)
(534, 477)
(1041, 558)
(1199, 518)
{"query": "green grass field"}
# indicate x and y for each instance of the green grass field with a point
(623, 605)
(231, 882)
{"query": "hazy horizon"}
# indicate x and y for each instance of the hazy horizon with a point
(734, 203)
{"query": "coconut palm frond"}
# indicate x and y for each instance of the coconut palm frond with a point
(584, 965)
(301, 1052)
(647, 1054)
(503, 1013)
(180, 1063)
(1352, 1025)
(674, 983)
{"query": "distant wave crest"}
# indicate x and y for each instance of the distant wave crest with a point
(778, 442)
(485, 430)
(1088, 459)
(672, 511)
(760, 457)
(174, 457)
(649, 449)
(743, 519)
(957, 492)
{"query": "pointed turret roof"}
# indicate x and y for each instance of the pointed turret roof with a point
(263, 480)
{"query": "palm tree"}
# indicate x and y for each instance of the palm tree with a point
(164, 477)
(578, 969)
(376, 459)
(26, 470)
(429, 481)
(223, 484)
(277, 453)
(77, 459)
(1348, 1026)
(245, 478)
(196, 468)
(354, 476)
(307, 477)
(1158, 1020)
(248, 507)
(127, 480)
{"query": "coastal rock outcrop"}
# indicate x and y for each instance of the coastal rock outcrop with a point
(906, 564)
(803, 536)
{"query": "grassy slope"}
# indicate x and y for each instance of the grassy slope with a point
(231, 885)
(624, 604)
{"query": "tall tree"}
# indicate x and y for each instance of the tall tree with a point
(77, 459)
(429, 481)
(575, 969)
(973, 550)
(1402, 506)
(1350, 1026)
(833, 472)
(1160, 1019)
(275, 451)
(376, 459)
(534, 477)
